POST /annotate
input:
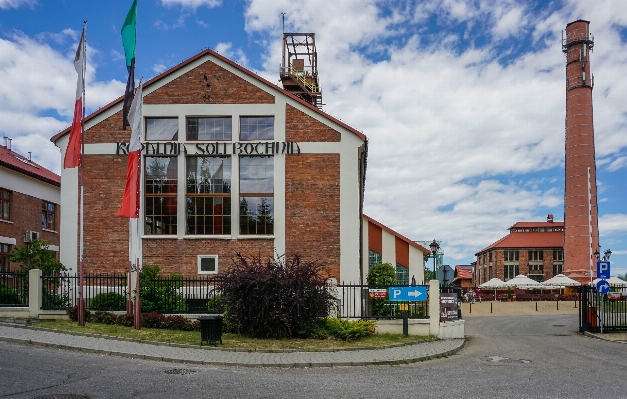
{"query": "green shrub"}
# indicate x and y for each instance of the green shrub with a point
(274, 299)
(215, 305)
(160, 293)
(343, 329)
(108, 301)
(125, 320)
(8, 296)
(104, 317)
(382, 275)
(72, 312)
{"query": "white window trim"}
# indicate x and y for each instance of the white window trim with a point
(200, 257)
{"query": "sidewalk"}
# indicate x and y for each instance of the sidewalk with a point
(217, 356)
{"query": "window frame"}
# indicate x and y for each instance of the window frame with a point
(214, 118)
(374, 258)
(5, 203)
(257, 131)
(266, 228)
(171, 194)
(45, 214)
(199, 259)
(151, 118)
(226, 196)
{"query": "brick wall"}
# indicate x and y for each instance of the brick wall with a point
(180, 256)
(25, 214)
(302, 128)
(312, 214)
(209, 84)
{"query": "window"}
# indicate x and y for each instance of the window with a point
(47, 215)
(5, 250)
(257, 128)
(510, 271)
(256, 188)
(558, 262)
(208, 195)
(558, 256)
(218, 128)
(207, 264)
(535, 256)
(557, 269)
(402, 274)
(374, 258)
(5, 204)
(162, 129)
(510, 256)
(160, 195)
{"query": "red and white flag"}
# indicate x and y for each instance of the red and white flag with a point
(73, 151)
(130, 201)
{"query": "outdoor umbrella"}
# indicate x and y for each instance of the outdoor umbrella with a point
(521, 281)
(561, 281)
(493, 283)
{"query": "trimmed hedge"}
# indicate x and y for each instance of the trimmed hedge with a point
(149, 320)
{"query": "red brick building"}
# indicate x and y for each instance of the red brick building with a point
(231, 163)
(29, 204)
(534, 249)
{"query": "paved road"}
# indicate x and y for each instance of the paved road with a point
(506, 357)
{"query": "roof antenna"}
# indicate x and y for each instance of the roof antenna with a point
(283, 21)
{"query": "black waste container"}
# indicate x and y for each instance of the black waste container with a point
(210, 329)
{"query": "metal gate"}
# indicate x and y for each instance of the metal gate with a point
(602, 312)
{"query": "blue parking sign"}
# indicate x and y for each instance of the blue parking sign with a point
(603, 269)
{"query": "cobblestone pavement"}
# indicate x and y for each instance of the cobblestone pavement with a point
(217, 356)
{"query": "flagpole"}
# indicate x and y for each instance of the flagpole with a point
(138, 306)
(81, 172)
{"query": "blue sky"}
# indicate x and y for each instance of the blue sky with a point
(462, 101)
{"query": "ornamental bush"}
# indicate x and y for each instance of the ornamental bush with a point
(160, 293)
(382, 275)
(343, 329)
(274, 299)
(8, 296)
(108, 301)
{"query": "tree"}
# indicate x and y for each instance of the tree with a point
(622, 277)
(382, 275)
(36, 255)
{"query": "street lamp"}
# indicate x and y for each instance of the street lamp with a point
(435, 247)
(607, 254)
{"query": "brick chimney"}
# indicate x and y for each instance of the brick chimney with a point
(581, 233)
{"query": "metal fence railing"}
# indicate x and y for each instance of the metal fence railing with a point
(603, 312)
(13, 289)
(369, 302)
(101, 291)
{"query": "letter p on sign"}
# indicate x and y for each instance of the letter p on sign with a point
(603, 269)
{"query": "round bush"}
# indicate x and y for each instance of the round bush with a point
(109, 300)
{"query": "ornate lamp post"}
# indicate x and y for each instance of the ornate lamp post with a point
(607, 254)
(435, 247)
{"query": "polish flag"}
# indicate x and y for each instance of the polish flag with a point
(130, 201)
(72, 157)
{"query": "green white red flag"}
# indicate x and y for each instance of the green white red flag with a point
(72, 157)
(130, 201)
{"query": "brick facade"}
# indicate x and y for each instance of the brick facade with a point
(312, 202)
(302, 128)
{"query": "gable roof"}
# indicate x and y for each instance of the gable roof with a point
(462, 272)
(551, 239)
(537, 224)
(212, 53)
(14, 161)
(402, 237)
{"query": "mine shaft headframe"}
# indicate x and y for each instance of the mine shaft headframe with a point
(299, 68)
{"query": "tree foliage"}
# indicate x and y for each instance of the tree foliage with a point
(381, 275)
(160, 293)
(36, 255)
(275, 299)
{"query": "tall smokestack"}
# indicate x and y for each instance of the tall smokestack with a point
(581, 235)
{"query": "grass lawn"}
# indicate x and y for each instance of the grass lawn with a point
(228, 340)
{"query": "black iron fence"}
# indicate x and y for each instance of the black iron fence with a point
(101, 291)
(369, 302)
(14, 289)
(603, 312)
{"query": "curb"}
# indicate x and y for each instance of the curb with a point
(446, 353)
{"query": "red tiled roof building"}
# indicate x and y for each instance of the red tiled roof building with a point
(29, 204)
(534, 249)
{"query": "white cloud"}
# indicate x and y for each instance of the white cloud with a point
(453, 133)
(617, 164)
(612, 223)
(38, 91)
(194, 4)
(6, 4)
(236, 55)
(158, 68)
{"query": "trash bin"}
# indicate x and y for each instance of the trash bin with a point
(210, 329)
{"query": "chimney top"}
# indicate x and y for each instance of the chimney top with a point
(549, 218)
